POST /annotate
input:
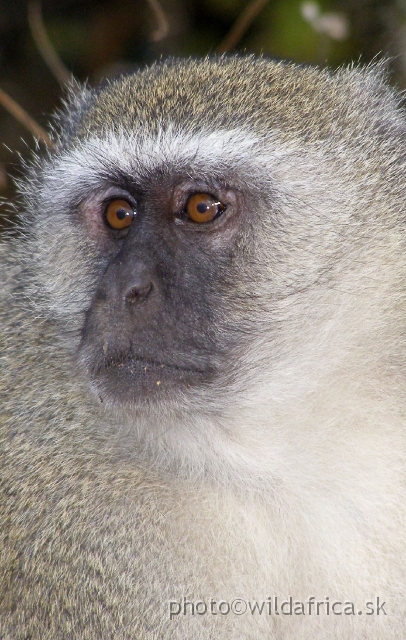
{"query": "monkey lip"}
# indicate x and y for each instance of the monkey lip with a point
(136, 365)
(140, 379)
(154, 364)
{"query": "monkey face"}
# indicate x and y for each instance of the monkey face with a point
(159, 319)
(150, 254)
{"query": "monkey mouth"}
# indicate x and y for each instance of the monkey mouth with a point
(125, 376)
(136, 362)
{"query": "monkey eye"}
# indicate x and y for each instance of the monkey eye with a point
(119, 214)
(202, 207)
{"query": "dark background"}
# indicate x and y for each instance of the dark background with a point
(95, 39)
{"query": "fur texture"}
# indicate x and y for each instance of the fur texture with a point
(283, 472)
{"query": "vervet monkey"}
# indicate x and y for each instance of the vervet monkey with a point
(203, 362)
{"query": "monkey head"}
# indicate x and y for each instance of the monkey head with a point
(195, 219)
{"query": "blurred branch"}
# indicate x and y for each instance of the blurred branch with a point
(163, 26)
(22, 116)
(241, 25)
(44, 45)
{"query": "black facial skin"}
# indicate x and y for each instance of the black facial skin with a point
(159, 318)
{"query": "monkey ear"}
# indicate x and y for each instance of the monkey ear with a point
(77, 101)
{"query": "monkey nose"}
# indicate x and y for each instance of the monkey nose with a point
(138, 292)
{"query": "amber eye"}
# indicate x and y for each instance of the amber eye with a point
(119, 214)
(202, 207)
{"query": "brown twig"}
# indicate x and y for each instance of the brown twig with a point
(22, 116)
(163, 26)
(241, 25)
(44, 45)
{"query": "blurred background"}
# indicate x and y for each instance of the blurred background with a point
(95, 39)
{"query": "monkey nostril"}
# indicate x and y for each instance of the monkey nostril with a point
(137, 294)
(101, 295)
